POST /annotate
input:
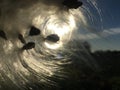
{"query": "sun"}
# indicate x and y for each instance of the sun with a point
(62, 29)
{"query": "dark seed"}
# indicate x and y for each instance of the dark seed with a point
(72, 4)
(3, 35)
(34, 31)
(29, 45)
(53, 38)
(20, 37)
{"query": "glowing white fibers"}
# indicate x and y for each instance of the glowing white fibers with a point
(20, 67)
(63, 29)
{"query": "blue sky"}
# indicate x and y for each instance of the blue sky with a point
(111, 22)
(111, 12)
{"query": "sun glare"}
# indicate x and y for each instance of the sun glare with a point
(62, 29)
(53, 46)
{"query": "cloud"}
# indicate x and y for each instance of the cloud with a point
(112, 31)
(105, 33)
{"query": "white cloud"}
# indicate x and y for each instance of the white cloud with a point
(111, 31)
(104, 33)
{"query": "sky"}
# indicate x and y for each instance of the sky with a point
(110, 11)
(110, 14)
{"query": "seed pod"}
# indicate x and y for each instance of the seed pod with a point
(20, 37)
(3, 35)
(28, 46)
(34, 31)
(53, 38)
(72, 4)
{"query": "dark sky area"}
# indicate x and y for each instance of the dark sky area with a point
(110, 10)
